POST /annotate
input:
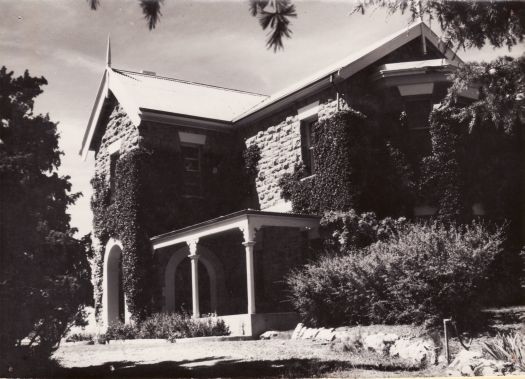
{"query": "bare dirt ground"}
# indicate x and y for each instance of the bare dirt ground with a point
(273, 358)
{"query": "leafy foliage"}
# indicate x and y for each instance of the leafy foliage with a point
(477, 147)
(442, 180)
(421, 274)
(501, 87)
(356, 168)
(44, 272)
(121, 331)
(345, 231)
(148, 201)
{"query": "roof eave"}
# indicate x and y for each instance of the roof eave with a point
(260, 110)
(94, 118)
(154, 115)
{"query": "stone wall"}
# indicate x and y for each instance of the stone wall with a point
(229, 250)
(277, 251)
(118, 127)
(279, 140)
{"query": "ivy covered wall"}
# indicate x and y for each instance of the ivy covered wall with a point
(148, 200)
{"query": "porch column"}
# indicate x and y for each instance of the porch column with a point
(249, 242)
(250, 280)
(194, 257)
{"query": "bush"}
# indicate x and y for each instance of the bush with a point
(78, 337)
(420, 275)
(121, 331)
(169, 326)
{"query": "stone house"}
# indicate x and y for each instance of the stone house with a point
(233, 263)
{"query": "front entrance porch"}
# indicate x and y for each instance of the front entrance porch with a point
(219, 274)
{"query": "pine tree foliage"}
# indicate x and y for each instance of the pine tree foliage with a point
(464, 23)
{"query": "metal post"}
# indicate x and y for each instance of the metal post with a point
(447, 352)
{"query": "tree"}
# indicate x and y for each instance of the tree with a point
(464, 23)
(477, 147)
(477, 158)
(44, 270)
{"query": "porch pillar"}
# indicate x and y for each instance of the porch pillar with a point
(250, 279)
(249, 242)
(194, 257)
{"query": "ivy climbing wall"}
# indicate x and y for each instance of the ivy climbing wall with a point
(279, 142)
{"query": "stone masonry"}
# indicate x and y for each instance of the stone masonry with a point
(119, 127)
(280, 146)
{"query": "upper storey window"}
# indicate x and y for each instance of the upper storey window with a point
(308, 117)
(418, 113)
(192, 176)
(307, 145)
(113, 159)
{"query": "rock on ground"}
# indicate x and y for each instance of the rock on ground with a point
(417, 350)
(472, 363)
(380, 342)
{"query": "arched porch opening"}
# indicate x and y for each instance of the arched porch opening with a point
(178, 287)
(114, 307)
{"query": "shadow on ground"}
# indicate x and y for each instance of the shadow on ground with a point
(219, 367)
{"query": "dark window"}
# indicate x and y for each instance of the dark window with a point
(191, 159)
(113, 159)
(307, 145)
(418, 112)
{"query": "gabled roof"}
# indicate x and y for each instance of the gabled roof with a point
(354, 63)
(141, 93)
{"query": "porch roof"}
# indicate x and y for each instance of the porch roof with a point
(248, 221)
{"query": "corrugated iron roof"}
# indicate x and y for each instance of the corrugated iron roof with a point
(139, 92)
(146, 91)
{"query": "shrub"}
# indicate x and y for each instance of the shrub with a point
(177, 325)
(509, 348)
(420, 275)
(77, 337)
(121, 331)
(169, 326)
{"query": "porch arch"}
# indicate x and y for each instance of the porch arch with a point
(215, 273)
(111, 288)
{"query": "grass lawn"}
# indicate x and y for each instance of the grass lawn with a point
(259, 358)
(276, 358)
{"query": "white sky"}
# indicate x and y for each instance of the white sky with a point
(215, 42)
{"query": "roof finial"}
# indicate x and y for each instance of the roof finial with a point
(108, 53)
(423, 41)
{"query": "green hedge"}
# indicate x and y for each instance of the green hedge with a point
(421, 274)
